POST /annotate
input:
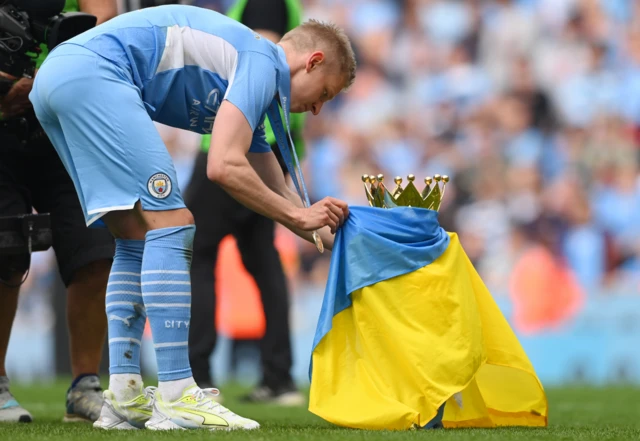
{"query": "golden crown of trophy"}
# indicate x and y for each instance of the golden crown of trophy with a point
(409, 196)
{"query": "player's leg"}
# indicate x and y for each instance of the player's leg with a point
(262, 261)
(123, 172)
(166, 291)
(123, 299)
(84, 259)
(14, 200)
(88, 147)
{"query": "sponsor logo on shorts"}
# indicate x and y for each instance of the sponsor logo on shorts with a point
(159, 185)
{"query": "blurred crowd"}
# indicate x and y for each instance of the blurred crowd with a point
(532, 107)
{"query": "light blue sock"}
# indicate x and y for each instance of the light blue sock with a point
(125, 311)
(166, 289)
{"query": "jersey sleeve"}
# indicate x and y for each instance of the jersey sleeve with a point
(259, 142)
(253, 86)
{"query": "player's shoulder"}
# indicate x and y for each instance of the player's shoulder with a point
(259, 49)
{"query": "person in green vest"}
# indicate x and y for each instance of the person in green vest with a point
(32, 176)
(217, 215)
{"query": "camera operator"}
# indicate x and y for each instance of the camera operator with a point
(32, 176)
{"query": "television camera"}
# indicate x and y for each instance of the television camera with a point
(26, 24)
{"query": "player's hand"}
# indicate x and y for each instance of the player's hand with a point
(17, 101)
(329, 212)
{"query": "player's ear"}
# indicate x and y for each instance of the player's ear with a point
(315, 60)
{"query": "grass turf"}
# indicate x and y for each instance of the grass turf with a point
(575, 414)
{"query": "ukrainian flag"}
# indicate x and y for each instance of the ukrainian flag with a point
(408, 329)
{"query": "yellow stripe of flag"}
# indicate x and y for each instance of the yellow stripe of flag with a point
(413, 342)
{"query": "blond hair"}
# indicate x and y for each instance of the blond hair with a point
(314, 34)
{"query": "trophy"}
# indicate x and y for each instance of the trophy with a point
(409, 196)
(409, 336)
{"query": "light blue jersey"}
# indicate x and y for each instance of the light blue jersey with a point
(98, 94)
(185, 60)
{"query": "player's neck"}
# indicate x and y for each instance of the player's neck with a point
(294, 60)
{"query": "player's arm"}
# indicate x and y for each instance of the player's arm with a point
(267, 167)
(104, 10)
(229, 167)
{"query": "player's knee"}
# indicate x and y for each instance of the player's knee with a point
(126, 224)
(167, 219)
(174, 218)
(186, 217)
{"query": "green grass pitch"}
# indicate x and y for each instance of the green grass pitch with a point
(575, 414)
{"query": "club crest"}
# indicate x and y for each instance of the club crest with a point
(159, 186)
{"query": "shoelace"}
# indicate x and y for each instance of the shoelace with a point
(201, 397)
(150, 393)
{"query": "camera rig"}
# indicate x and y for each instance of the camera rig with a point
(25, 234)
(26, 24)
(22, 235)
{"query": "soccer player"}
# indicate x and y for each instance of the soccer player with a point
(32, 175)
(217, 214)
(193, 69)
